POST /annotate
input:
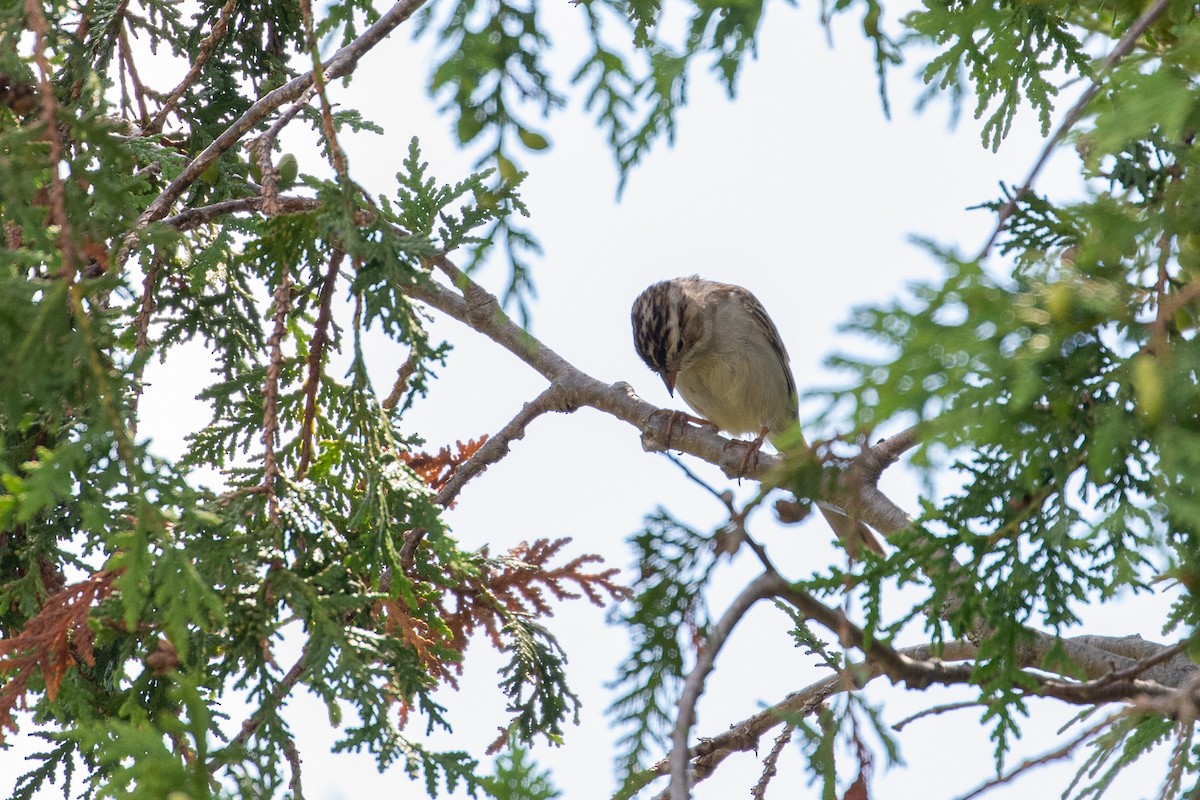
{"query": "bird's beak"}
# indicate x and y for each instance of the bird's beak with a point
(669, 379)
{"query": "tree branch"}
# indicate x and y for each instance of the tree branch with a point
(744, 736)
(925, 661)
(1074, 114)
(194, 217)
(481, 311)
(765, 585)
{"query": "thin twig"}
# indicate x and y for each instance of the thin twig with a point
(696, 479)
(316, 356)
(1179, 760)
(494, 449)
(1119, 51)
(141, 342)
(337, 156)
(403, 375)
(1166, 654)
(731, 535)
(207, 45)
(125, 54)
(194, 217)
(276, 698)
(1054, 755)
(934, 711)
(227, 498)
(286, 117)
(496, 446)
(292, 754)
(770, 761)
(260, 150)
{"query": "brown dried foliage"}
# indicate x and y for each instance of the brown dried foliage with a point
(520, 582)
(50, 643)
(435, 470)
(415, 632)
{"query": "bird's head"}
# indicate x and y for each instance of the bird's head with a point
(666, 324)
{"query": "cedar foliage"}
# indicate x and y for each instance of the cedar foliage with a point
(140, 216)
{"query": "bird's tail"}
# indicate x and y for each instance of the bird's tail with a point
(852, 532)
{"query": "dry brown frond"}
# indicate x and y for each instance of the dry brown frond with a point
(435, 469)
(518, 583)
(50, 643)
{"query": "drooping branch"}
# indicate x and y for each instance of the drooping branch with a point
(270, 392)
(316, 357)
(1122, 48)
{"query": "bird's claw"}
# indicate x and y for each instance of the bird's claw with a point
(752, 449)
(679, 418)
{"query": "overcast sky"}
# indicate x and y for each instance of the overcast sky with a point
(801, 191)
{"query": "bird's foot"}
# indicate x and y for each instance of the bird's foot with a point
(752, 449)
(684, 418)
(681, 418)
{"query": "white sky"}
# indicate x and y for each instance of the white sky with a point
(801, 191)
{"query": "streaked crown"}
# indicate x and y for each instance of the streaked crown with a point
(666, 324)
